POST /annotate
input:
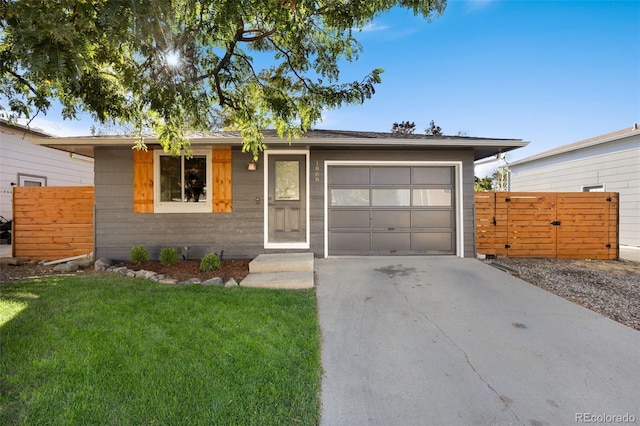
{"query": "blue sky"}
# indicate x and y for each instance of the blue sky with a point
(548, 72)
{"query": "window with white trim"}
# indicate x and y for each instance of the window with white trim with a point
(181, 184)
(593, 188)
(30, 180)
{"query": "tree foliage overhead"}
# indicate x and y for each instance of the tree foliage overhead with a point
(178, 65)
(433, 130)
(403, 128)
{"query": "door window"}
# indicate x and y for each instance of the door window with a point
(287, 180)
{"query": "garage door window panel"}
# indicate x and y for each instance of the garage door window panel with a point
(390, 197)
(349, 197)
(432, 197)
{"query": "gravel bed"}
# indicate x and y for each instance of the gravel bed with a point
(611, 288)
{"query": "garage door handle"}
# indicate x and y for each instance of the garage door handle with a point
(391, 229)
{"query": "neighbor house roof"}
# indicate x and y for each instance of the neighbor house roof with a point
(483, 147)
(15, 128)
(598, 140)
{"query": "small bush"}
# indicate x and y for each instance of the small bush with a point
(139, 254)
(210, 262)
(169, 256)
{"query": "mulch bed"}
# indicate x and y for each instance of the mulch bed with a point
(181, 271)
(186, 269)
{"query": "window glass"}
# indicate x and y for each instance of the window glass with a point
(391, 197)
(593, 188)
(287, 180)
(431, 197)
(349, 197)
(195, 179)
(183, 180)
(170, 178)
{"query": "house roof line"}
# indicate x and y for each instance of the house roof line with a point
(23, 129)
(483, 147)
(586, 143)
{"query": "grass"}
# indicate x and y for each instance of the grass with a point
(111, 350)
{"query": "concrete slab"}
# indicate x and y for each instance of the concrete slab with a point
(630, 253)
(417, 341)
(281, 262)
(5, 250)
(286, 280)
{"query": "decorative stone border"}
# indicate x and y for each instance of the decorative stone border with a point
(104, 264)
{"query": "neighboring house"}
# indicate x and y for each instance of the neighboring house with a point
(23, 163)
(331, 193)
(609, 162)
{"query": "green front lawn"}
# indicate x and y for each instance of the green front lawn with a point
(106, 349)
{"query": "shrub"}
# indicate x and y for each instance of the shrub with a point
(139, 254)
(169, 256)
(210, 262)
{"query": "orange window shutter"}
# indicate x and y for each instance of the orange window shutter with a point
(142, 181)
(222, 179)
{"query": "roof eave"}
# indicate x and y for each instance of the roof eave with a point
(483, 148)
(559, 151)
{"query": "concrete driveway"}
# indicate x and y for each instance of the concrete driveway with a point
(448, 341)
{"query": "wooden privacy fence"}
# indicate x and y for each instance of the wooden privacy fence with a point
(562, 225)
(51, 223)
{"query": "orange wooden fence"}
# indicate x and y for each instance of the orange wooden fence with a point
(51, 223)
(563, 225)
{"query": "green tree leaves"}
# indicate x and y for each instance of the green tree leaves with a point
(179, 65)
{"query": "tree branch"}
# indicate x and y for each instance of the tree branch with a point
(260, 36)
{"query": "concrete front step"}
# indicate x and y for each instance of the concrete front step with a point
(282, 262)
(287, 280)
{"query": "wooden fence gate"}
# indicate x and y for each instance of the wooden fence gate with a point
(562, 225)
(52, 222)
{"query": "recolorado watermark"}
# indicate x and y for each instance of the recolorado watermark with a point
(605, 418)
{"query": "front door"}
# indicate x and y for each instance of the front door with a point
(287, 216)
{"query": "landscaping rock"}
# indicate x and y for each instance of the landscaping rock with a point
(168, 281)
(145, 275)
(66, 267)
(215, 281)
(191, 281)
(82, 264)
(13, 261)
(102, 264)
(231, 283)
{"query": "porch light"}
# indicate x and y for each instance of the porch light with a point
(252, 166)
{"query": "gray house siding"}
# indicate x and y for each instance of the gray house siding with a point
(118, 229)
(239, 233)
(616, 165)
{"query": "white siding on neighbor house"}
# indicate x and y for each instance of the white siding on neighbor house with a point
(20, 157)
(616, 165)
